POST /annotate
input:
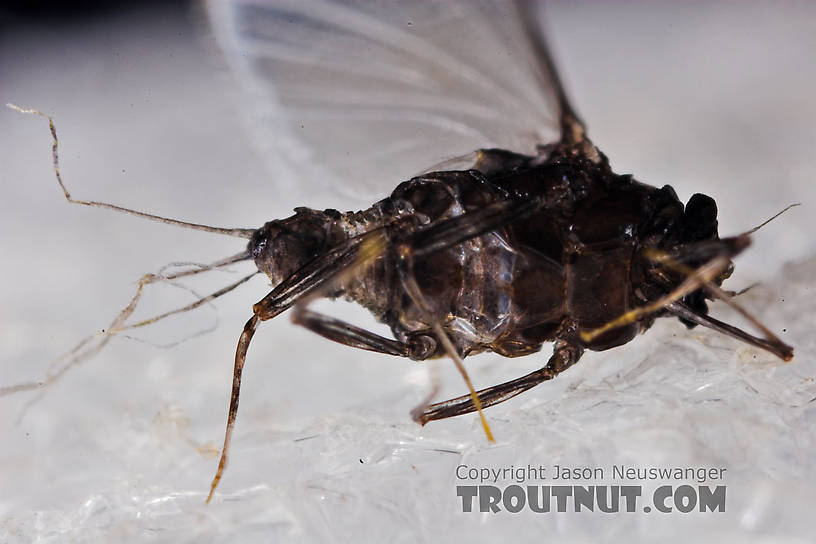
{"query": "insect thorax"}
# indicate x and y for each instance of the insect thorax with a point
(573, 265)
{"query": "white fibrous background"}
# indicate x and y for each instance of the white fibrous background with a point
(715, 99)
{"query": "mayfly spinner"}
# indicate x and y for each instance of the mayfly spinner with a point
(516, 250)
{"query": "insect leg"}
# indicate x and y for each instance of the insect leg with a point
(449, 232)
(317, 273)
(240, 359)
(563, 357)
(773, 345)
(240, 233)
(418, 348)
(770, 343)
(442, 235)
(405, 268)
(698, 277)
(302, 284)
(702, 277)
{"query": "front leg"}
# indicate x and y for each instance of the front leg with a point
(302, 284)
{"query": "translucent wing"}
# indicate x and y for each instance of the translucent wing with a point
(357, 96)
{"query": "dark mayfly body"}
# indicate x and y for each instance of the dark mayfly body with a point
(515, 249)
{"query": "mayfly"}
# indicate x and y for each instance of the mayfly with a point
(530, 239)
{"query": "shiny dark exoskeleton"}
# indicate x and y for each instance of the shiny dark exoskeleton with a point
(506, 256)
(509, 253)
(562, 269)
(512, 252)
